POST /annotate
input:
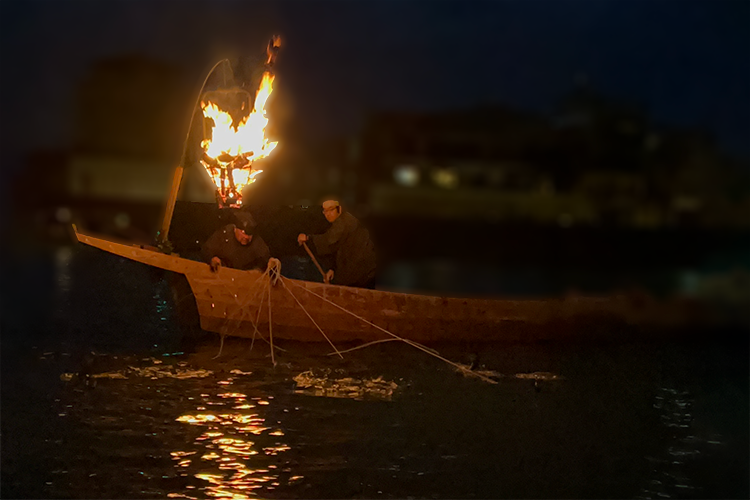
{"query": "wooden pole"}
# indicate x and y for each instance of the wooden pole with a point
(161, 238)
(164, 231)
(315, 261)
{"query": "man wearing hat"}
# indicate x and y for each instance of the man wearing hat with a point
(348, 241)
(236, 245)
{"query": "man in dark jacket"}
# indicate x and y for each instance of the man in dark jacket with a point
(349, 242)
(236, 245)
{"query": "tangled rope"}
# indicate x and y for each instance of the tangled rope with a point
(273, 275)
(273, 270)
(416, 345)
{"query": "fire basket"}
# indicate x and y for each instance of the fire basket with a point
(234, 138)
(234, 134)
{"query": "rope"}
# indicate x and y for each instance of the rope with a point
(433, 351)
(221, 347)
(274, 269)
(245, 309)
(411, 343)
(273, 272)
(243, 306)
(239, 321)
(311, 319)
(365, 345)
(270, 322)
(257, 319)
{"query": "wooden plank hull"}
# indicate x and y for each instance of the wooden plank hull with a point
(229, 301)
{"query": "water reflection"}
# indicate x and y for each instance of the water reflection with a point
(439, 437)
(230, 462)
(671, 470)
(176, 371)
(63, 257)
(63, 281)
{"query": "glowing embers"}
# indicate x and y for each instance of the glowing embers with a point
(233, 146)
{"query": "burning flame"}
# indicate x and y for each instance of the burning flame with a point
(231, 151)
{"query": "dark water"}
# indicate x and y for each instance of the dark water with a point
(102, 397)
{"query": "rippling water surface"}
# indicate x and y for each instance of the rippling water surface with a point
(102, 398)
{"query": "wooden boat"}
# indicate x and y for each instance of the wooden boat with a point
(229, 300)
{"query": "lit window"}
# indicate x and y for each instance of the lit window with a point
(406, 175)
(445, 178)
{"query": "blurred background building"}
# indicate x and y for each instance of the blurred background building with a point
(596, 188)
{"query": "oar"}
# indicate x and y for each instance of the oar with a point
(315, 261)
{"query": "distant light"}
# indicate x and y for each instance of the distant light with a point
(652, 142)
(690, 282)
(406, 175)
(122, 220)
(565, 220)
(445, 178)
(63, 215)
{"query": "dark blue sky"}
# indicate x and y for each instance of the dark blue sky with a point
(687, 61)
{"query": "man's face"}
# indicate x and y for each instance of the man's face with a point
(331, 211)
(242, 236)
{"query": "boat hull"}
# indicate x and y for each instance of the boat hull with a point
(233, 302)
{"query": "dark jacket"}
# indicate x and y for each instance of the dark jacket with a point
(224, 245)
(349, 242)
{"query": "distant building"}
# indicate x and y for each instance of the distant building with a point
(464, 163)
(594, 161)
(128, 130)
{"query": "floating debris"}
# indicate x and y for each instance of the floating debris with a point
(486, 373)
(109, 375)
(169, 372)
(240, 372)
(352, 388)
(539, 376)
(535, 376)
(152, 372)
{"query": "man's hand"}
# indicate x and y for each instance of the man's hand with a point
(215, 264)
(301, 238)
(329, 276)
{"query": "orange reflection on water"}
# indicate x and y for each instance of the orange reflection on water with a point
(274, 450)
(183, 453)
(232, 466)
(232, 395)
(197, 419)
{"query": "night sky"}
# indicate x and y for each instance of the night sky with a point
(688, 62)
